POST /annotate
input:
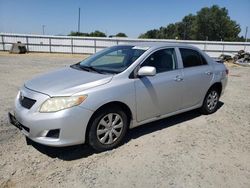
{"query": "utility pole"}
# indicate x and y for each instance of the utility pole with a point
(246, 34)
(205, 46)
(185, 30)
(43, 26)
(79, 18)
(245, 38)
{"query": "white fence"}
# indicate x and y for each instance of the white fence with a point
(90, 45)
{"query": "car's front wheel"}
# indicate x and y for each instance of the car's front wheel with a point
(108, 128)
(210, 103)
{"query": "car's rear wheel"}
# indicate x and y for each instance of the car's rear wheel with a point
(108, 128)
(210, 103)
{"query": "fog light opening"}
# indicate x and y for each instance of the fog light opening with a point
(53, 133)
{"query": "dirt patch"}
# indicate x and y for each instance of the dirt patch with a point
(187, 150)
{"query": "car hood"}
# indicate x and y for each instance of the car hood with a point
(66, 81)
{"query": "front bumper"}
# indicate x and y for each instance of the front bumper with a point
(70, 123)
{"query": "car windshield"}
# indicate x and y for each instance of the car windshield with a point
(112, 60)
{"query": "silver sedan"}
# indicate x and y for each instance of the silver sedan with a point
(96, 100)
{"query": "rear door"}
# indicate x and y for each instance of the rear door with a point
(197, 76)
(160, 94)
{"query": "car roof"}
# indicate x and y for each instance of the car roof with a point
(151, 46)
(160, 44)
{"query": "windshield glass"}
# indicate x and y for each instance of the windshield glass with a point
(112, 60)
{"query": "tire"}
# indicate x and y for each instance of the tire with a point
(107, 128)
(210, 103)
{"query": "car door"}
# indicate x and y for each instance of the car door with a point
(160, 94)
(197, 76)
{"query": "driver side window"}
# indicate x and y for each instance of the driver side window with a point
(163, 60)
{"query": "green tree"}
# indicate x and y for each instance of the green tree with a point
(171, 31)
(121, 35)
(92, 34)
(215, 24)
(73, 33)
(149, 34)
(211, 23)
(187, 28)
(97, 34)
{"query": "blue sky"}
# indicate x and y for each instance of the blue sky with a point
(110, 16)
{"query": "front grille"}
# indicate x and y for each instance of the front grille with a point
(26, 102)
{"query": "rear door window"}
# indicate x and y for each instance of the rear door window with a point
(191, 58)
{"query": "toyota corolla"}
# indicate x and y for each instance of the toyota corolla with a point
(98, 99)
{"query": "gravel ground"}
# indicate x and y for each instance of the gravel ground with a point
(187, 150)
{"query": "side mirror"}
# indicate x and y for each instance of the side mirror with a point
(147, 71)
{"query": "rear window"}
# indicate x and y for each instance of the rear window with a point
(191, 58)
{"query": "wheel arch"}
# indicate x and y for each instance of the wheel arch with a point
(216, 85)
(122, 105)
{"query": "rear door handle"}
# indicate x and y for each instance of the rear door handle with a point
(208, 73)
(178, 79)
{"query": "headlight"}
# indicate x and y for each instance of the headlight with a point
(55, 104)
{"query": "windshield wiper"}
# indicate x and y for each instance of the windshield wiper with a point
(94, 69)
(90, 68)
(77, 66)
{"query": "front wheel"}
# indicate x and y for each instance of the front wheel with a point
(210, 103)
(108, 128)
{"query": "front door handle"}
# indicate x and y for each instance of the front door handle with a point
(208, 73)
(178, 79)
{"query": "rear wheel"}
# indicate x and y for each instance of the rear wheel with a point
(210, 103)
(108, 128)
